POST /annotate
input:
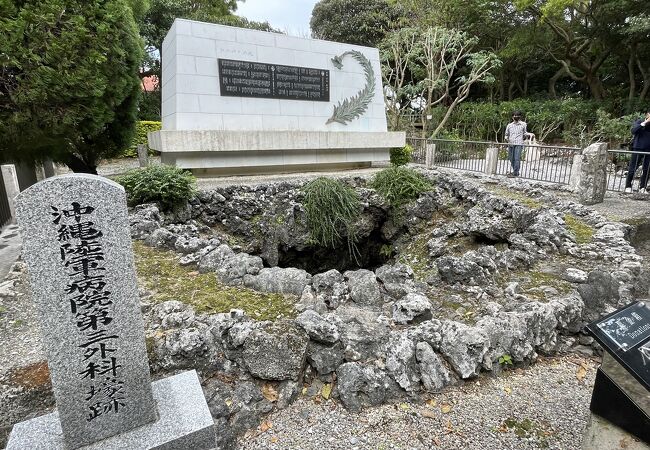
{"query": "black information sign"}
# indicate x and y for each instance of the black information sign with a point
(625, 334)
(260, 80)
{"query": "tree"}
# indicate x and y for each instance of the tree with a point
(157, 21)
(68, 80)
(589, 33)
(353, 21)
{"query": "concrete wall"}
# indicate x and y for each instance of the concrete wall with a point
(190, 81)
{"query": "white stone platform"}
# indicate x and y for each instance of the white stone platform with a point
(272, 151)
(184, 422)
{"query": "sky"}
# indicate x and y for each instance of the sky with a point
(291, 16)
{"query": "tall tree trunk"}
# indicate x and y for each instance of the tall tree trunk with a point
(631, 74)
(511, 90)
(561, 72)
(595, 85)
(78, 165)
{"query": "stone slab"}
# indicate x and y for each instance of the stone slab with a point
(185, 423)
(77, 247)
(184, 141)
(601, 434)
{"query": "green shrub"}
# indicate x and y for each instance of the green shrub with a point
(332, 209)
(141, 129)
(166, 185)
(401, 156)
(398, 185)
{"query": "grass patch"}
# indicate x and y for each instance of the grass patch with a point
(160, 272)
(528, 429)
(530, 281)
(516, 196)
(583, 233)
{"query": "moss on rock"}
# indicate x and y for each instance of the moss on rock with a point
(160, 272)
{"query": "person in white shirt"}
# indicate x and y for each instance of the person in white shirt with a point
(515, 134)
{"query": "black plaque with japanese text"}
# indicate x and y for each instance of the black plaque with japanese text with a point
(625, 334)
(261, 80)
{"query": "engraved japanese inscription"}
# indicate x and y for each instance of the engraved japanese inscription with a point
(261, 80)
(78, 252)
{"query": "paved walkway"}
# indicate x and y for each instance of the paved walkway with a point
(10, 244)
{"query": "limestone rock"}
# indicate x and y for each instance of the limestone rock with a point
(401, 363)
(325, 358)
(233, 269)
(276, 351)
(361, 385)
(464, 347)
(144, 220)
(364, 289)
(459, 270)
(433, 372)
(397, 279)
(317, 327)
(279, 280)
(214, 259)
(330, 288)
(413, 308)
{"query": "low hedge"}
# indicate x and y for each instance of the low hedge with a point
(141, 129)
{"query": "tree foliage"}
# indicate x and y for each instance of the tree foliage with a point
(68, 80)
(352, 21)
(442, 64)
(158, 18)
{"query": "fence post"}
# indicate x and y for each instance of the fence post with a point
(143, 155)
(430, 157)
(48, 168)
(491, 160)
(592, 184)
(11, 186)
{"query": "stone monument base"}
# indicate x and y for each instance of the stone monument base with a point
(244, 152)
(184, 422)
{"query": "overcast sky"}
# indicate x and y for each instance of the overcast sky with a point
(291, 16)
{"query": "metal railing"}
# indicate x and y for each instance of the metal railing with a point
(627, 169)
(5, 211)
(538, 162)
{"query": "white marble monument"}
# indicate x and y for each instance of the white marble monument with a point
(238, 101)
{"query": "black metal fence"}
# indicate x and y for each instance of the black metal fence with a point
(627, 170)
(5, 212)
(538, 162)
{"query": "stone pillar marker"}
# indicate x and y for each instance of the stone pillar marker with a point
(491, 160)
(77, 247)
(592, 185)
(143, 155)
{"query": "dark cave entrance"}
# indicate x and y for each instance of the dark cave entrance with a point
(371, 252)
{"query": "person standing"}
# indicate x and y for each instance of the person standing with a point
(640, 143)
(515, 134)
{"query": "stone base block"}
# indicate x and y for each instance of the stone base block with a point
(244, 152)
(184, 422)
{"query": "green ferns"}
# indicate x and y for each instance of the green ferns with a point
(166, 185)
(399, 184)
(332, 209)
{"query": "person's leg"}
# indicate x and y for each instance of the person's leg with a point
(644, 175)
(631, 169)
(517, 159)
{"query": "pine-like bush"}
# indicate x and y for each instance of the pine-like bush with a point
(401, 156)
(332, 209)
(166, 185)
(399, 184)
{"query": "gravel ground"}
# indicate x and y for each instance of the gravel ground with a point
(543, 406)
